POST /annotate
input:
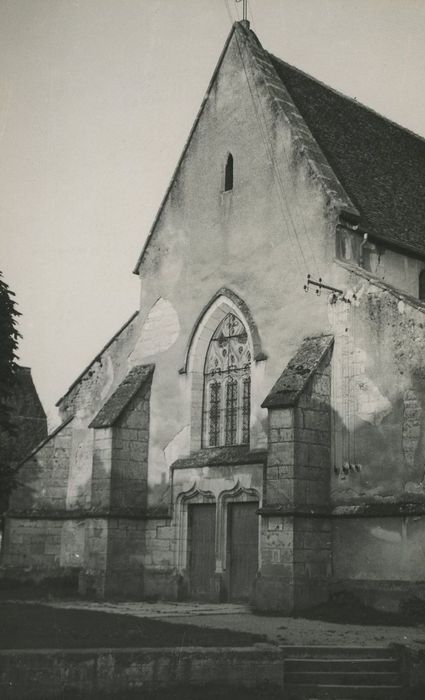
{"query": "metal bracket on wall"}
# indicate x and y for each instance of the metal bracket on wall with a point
(337, 294)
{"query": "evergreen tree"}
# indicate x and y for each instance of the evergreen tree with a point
(9, 338)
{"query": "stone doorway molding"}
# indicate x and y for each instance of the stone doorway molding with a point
(191, 497)
(237, 494)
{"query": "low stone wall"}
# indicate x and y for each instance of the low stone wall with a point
(413, 666)
(47, 673)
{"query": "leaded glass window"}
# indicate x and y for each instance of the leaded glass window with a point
(227, 385)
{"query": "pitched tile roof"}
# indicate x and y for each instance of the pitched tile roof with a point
(368, 165)
(298, 372)
(115, 405)
(380, 165)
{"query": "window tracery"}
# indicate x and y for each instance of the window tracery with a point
(227, 385)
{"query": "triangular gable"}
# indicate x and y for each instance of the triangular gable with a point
(282, 105)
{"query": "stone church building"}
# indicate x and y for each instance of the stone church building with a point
(242, 438)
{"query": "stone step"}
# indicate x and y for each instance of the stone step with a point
(338, 678)
(343, 692)
(391, 665)
(329, 652)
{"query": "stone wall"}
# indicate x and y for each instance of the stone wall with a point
(36, 534)
(45, 674)
(113, 558)
(398, 269)
(296, 537)
(130, 445)
(31, 546)
(115, 539)
(160, 577)
(377, 395)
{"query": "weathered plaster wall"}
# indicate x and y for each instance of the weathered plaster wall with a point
(90, 391)
(379, 549)
(395, 268)
(378, 395)
(259, 240)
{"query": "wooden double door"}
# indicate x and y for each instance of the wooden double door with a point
(242, 550)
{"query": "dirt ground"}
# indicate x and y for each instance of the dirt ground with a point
(345, 622)
(276, 629)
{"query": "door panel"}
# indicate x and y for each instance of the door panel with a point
(201, 550)
(243, 548)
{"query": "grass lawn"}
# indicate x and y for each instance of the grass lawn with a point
(38, 626)
(347, 609)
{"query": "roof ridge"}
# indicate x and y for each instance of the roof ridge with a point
(353, 100)
(307, 143)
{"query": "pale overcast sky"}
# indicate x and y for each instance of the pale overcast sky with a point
(96, 100)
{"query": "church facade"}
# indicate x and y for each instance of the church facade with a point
(255, 432)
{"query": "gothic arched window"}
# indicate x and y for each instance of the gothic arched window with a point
(228, 174)
(227, 385)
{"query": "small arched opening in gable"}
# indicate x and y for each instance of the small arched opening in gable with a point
(228, 174)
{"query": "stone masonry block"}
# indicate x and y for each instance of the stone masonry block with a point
(317, 437)
(316, 420)
(165, 532)
(281, 435)
(280, 453)
(319, 456)
(281, 418)
(279, 491)
(317, 493)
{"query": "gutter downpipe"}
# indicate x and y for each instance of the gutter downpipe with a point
(362, 245)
